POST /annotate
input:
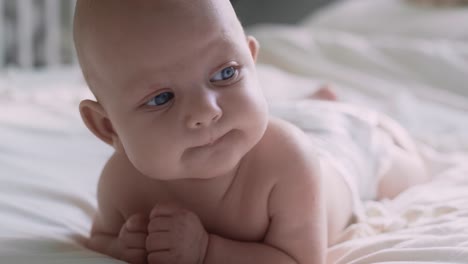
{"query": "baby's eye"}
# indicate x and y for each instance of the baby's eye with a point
(225, 74)
(160, 99)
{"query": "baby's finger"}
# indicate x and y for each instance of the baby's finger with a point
(137, 223)
(135, 256)
(161, 257)
(160, 223)
(165, 209)
(133, 239)
(160, 241)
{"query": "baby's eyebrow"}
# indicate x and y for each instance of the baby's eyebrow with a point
(140, 81)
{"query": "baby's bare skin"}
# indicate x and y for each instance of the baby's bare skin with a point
(240, 210)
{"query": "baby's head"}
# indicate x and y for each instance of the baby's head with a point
(175, 81)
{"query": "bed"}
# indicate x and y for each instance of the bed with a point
(407, 61)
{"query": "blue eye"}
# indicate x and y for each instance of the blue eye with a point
(160, 99)
(224, 74)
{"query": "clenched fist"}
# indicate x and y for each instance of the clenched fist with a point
(175, 236)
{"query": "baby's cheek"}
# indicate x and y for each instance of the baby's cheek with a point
(144, 158)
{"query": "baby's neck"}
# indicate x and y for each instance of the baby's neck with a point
(204, 191)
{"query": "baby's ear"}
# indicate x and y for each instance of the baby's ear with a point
(254, 47)
(95, 118)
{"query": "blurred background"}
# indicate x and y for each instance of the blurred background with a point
(37, 33)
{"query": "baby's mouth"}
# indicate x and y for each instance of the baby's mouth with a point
(213, 141)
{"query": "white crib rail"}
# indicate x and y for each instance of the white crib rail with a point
(2, 33)
(40, 33)
(52, 33)
(25, 20)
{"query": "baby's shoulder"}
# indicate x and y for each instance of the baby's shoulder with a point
(121, 185)
(117, 172)
(286, 150)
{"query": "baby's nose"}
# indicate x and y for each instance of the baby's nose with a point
(203, 111)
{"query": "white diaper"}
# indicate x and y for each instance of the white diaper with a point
(347, 137)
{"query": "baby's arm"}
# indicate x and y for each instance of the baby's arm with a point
(297, 232)
(128, 243)
(298, 228)
(111, 234)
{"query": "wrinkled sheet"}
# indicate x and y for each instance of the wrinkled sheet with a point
(49, 162)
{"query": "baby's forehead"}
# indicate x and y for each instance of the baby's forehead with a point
(134, 20)
(109, 31)
(124, 11)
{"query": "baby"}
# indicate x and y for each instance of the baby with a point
(201, 172)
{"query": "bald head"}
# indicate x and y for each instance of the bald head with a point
(106, 29)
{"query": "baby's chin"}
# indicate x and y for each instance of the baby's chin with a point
(195, 173)
(201, 170)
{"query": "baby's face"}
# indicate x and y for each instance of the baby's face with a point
(179, 85)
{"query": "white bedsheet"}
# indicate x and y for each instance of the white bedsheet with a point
(49, 162)
(49, 165)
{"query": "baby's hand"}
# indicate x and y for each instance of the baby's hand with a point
(175, 236)
(132, 239)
